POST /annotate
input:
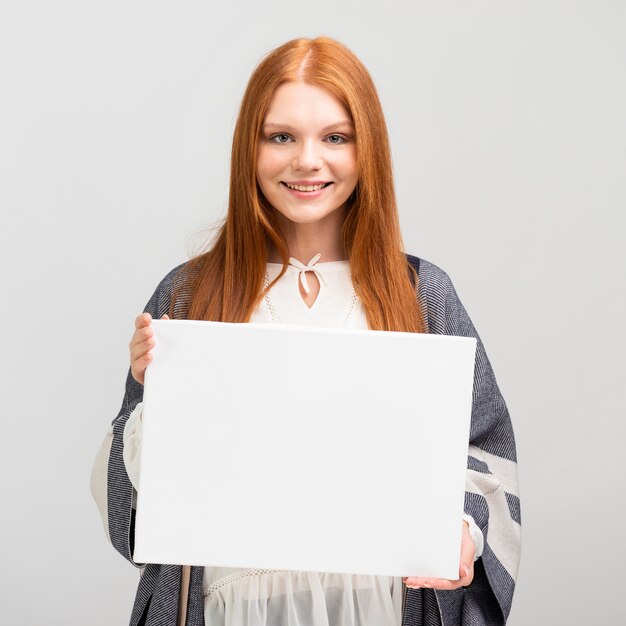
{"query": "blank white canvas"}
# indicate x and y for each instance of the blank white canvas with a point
(300, 448)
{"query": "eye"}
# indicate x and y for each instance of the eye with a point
(337, 137)
(274, 137)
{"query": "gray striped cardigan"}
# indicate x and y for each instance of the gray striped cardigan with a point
(491, 489)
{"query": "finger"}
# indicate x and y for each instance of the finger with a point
(165, 317)
(143, 320)
(142, 359)
(415, 582)
(142, 334)
(142, 349)
(139, 336)
(146, 359)
(138, 367)
(433, 583)
(442, 584)
(466, 577)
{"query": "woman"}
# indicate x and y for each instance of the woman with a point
(312, 237)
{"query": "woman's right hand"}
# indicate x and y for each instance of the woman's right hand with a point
(140, 345)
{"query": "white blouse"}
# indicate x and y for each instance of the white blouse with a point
(256, 597)
(336, 305)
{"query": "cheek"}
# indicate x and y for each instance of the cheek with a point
(347, 165)
(269, 164)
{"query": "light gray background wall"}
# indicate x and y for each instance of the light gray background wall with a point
(508, 136)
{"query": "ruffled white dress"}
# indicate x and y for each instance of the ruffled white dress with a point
(255, 597)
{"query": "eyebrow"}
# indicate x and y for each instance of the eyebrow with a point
(325, 129)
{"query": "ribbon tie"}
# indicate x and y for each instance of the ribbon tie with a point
(309, 267)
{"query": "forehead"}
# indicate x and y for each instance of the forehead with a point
(298, 104)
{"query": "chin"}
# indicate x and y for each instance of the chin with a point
(308, 216)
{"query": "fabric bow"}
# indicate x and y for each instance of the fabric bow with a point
(309, 267)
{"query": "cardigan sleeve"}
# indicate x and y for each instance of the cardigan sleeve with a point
(492, 494)
(110, 484)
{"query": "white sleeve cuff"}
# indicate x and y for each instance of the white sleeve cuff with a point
(476, 534)
(132, 444)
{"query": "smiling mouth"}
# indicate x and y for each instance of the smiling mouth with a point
(305, 188)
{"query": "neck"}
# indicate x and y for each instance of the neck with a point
(305, 240)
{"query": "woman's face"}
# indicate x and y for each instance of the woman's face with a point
(307, 140)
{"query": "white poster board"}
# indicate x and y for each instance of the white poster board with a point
(302, 448)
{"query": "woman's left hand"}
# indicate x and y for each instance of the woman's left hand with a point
(466, 568)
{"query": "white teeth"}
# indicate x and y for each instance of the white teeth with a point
(305, 188)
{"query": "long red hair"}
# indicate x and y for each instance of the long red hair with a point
(226, 283)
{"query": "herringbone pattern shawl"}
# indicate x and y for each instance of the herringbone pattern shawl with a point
(492, 496)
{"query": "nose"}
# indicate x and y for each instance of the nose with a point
(308, 155)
